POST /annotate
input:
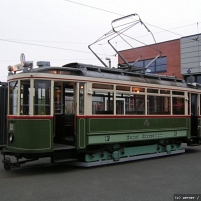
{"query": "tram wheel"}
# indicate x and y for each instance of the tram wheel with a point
(7, 165)
(113, 147)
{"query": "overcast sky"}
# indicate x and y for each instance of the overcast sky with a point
(60, 31)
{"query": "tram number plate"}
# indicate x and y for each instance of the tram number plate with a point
(11, 127)
(107, 138)
(175, 133)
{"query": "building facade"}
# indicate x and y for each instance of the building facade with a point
(191, 57)
(180, 57)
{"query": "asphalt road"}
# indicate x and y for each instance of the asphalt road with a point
(150, 179)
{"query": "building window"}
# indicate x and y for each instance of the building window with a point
(198, 79)
(159, 65)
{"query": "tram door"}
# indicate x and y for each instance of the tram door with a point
(69, 113)
(64, 113)
(194, 115)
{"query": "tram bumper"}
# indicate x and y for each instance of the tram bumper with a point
(7, 161)
(5, 152)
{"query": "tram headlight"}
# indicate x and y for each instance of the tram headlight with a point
(11, 137)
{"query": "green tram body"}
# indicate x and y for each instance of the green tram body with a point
(90, 114)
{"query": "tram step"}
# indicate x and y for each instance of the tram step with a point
(65, 160)
(193, 145)
(60, 147)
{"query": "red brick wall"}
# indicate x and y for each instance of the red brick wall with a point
(170, 49)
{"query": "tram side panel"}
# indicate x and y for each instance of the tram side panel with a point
(3, 113)
(30, 135)
(124, 130)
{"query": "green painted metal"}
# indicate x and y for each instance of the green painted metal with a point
(36, 135)
(31, 135)
(81, 133)
(131, 151)
(123, 130)
(129, 137)
(96, 125)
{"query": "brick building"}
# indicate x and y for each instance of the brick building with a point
(180, 57)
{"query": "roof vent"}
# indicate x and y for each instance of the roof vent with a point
(43, 63)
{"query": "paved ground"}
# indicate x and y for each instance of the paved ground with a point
(151, 179)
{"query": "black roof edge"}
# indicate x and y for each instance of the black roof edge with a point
(102, 69)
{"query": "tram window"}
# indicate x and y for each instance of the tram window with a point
(98, 104)
(120, 106)
(158, 105)
(81, 98)
(135, 104)
(13, 98)
(24, 97)
(164, 91)
(109, 103)
(138, 90)
(57, 100)
(178, 105)
(152, 90)
(178, 93)
(102, 86)
(123, 88)
(120, 103)
(69, 101)
(102, 103)
(42, 97)
(194, 104)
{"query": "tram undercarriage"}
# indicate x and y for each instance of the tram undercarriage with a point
(98, 155)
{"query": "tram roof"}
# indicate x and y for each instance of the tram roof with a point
(121, 74)
(80, 69)
(100, 69)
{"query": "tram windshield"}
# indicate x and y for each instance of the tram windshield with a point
(13, 98)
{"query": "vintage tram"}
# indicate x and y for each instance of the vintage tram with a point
(98, 115)
(90, 115)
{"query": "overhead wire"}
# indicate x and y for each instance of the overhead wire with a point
(74, 43)
(166, 30)
(25, 43)
(163, 30)
(42, 41)
(87, 52)
(93, 7)
(120, 15)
